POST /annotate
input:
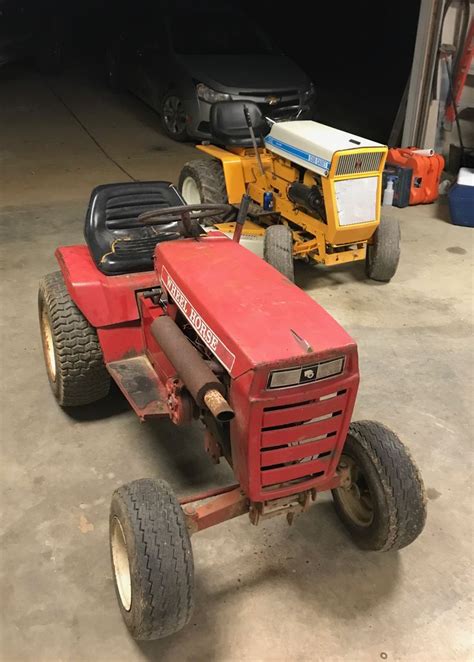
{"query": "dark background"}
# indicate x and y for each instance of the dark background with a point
(358, 54)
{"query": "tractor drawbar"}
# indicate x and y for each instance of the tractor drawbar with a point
(198, 378)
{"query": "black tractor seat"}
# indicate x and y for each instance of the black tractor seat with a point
(229, 126)
(118, 243)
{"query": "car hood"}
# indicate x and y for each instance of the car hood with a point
(247, 73)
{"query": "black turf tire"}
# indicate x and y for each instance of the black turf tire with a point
(278, 250)
(395, 486)
(383, 254)
(80, 376)
(160, 558)
(209, 177)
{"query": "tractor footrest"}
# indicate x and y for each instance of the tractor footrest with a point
(140, 385)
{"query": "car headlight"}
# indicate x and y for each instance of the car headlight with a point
(305, 374)
(309, 93)
(208, 94)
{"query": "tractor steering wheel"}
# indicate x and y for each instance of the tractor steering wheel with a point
(184, 213)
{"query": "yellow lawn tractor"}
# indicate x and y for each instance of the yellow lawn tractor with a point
(315, 191)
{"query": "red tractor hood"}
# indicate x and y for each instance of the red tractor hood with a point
(245, 311)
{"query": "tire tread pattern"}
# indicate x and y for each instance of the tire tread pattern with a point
(401, 482)
(164, 571)
(383, 254)
(278, 250)
(81, 376)
(210, 179)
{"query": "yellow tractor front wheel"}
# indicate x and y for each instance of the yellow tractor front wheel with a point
(383, 254)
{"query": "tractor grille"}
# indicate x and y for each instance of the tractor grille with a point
(298, 441)
(353, 164)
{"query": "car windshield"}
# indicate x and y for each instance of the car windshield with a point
(217, 34)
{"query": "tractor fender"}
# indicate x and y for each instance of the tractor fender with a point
(233, 171)
(103, 300)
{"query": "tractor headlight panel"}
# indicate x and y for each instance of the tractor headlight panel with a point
(305, 374)
(208, 94)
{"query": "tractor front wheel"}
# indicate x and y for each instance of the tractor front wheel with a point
(381, 501)
(383, 254)
(72, 352)
(278, 250)
(201, 182)
(152, 559)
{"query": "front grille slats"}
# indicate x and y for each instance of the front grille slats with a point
(294, 433)
(303, 412)
(298, 440)
(294, 453)
(264, 95)
(299, 470)
(359, 162)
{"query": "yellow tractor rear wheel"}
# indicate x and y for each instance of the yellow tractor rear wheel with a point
(202, 181)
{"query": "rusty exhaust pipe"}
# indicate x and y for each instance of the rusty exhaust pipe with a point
(199, 379)
(218, 406)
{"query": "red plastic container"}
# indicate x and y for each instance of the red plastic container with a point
(426, 172)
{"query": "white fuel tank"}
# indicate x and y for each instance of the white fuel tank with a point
(311, 144)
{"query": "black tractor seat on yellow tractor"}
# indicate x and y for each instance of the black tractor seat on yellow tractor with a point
(118, 242)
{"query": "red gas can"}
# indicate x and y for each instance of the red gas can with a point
(427, 169)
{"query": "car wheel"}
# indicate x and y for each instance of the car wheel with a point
(173, 118)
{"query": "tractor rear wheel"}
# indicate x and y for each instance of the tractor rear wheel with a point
(72, 352)
(381, 501)
(203, 182)
(383, 253)
(152, 559)
(278, 250)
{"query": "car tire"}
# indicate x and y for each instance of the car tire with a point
(383, 504)
(278, 250)
(152, 559)
(203, 182)
(72, 352)
(173, 117)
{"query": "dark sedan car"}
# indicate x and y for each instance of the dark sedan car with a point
(181, 64)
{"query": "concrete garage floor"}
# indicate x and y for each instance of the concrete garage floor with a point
(266, 593)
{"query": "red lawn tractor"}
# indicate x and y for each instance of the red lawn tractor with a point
(191, 325)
